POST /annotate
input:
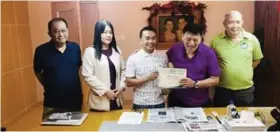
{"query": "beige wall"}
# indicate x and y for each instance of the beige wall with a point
(18, 86)
(39, 15)
(128, 18)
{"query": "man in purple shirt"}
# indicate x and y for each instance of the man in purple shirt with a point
(202, 69)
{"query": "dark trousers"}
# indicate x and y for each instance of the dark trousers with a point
(243, 97)
(177, 103)
(135, 106)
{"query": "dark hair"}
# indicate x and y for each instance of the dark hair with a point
(182, 17)
(54, 20)
(97, 42)
(195, 29)
(168, 19)
(147, 28)
(189, 19)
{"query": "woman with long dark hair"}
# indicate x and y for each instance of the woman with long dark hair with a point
(103, 69)
(168, 34)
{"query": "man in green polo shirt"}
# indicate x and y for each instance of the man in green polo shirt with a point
(238, 54)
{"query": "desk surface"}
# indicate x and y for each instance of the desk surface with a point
(32, 119)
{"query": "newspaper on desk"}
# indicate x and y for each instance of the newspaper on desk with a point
(176, 114)
(211, 125)
(194, 119)
(170, 77)
(65, 118)
(161, 115)
(189, 114)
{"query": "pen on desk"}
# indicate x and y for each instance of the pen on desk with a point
(137, 110)
(216, 116)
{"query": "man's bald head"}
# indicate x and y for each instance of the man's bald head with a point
(233, 23)
(233, 14)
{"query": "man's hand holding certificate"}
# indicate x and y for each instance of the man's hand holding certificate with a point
(171, 77)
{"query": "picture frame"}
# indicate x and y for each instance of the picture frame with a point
(170, 28)
(193, 12)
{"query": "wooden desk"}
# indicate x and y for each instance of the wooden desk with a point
(32, 119)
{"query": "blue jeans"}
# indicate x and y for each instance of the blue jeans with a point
(135, 106)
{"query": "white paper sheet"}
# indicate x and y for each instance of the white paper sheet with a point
(247, 116)
(131, 118)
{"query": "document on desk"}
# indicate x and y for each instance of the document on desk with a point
(170, 77)
(189, 114)
(65, 118)
(161, 115)
(204, 126)
(131, 118)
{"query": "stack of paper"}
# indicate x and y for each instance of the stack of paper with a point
(247, 122)
(131, 118)
(240, 125)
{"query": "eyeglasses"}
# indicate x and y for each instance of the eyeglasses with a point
(59, 31)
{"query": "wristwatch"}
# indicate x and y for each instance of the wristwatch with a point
(196, 84)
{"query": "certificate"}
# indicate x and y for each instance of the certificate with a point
(170, 77)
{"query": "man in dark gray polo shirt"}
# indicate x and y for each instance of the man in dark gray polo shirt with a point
(56, 65)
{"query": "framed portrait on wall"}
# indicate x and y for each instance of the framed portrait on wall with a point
(170, 19)
(170, 28)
